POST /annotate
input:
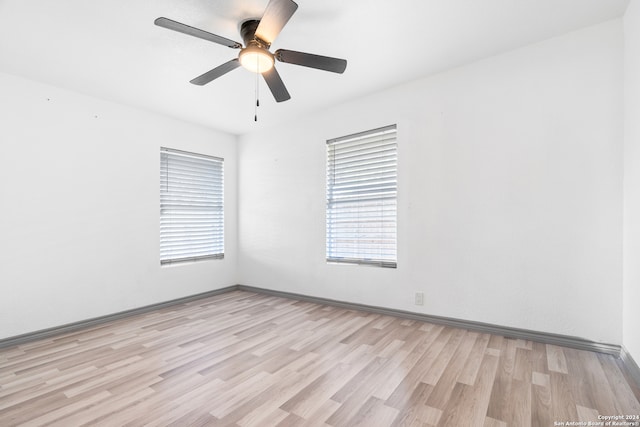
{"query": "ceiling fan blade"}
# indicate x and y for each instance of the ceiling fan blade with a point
(195, 32)
(325, 63)
(276, 85)
(216, 72)
(275, 17)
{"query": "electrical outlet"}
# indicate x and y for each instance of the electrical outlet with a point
(419, 298)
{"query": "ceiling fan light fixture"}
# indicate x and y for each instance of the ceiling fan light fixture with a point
(256, 59)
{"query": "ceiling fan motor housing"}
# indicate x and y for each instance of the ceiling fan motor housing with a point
(248, 33)
(255, 56)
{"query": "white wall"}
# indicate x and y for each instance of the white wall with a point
(631, 326)
(79, 207)
(510, 192)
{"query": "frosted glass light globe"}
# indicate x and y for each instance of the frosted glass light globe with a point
(256, 59)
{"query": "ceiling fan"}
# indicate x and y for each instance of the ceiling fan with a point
(255, 56)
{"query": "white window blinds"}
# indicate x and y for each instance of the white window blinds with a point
(191, 206)
(361, 198)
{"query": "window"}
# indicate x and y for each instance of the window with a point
(191, 206)
(361, 198)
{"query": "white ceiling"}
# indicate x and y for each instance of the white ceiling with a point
(112, 50)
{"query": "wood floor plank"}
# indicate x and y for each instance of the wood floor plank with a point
(274, 417)
(523, 364)
(491, 422)
(470, 370)
(587, 414)
(373, 412)
(562, 399)
(360, 389)
(319, 417)
(246, 359)
(311, 398)
(586, 370)
(253, 412)
(72, 408)
(541, 404)
(415, 411)
(518, 405)
(623, 395)
(501, 390)
(444, 358)
(468, 404)
(439, 338)
(395, 375)
(447, 381)
(556, 359)
(109, 406)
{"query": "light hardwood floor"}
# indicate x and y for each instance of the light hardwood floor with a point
(246, 359)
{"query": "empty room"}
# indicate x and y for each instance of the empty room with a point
(330, 213)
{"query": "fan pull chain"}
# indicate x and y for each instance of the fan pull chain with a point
(255, 117)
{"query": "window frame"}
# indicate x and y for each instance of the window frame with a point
(381, 180)
(190, 206)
